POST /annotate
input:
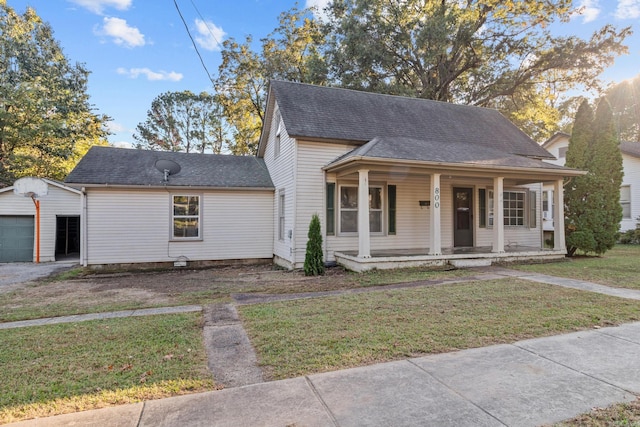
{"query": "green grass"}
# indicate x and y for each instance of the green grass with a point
(621, 415)
(90, 364)
(308, 336)
(618, 267)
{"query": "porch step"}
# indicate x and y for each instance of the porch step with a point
(467, 263)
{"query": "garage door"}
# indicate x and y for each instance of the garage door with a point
(16, 238)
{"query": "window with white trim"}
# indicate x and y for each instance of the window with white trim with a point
(562, 152)
(513, 208)
(276, 146)
(186, 217)
(349, 209)
(625, 201)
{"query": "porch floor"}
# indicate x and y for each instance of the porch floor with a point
(460, 257)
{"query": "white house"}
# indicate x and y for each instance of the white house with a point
(558, 145)
(396, 182)
(59, 224)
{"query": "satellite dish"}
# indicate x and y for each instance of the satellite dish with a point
(30, 187)
(167, 167)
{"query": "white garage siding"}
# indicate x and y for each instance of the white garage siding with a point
(61, 201)
(133, 226)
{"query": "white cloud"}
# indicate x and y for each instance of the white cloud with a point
(319, 6)
(98, 6)
(211, 35)
(588, 10)
(121, 32)
(628, 9)
(122, 144)
(151, 75)
(115, 127)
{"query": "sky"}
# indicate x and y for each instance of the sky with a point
(139, 49)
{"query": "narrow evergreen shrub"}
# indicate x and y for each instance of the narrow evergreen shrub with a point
(313, 262)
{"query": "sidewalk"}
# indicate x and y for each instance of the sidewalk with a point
(527, 383)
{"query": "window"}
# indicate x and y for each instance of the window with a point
(513, 204)
(331, 208)
(277, 121)
(625, 201)
(186, 217)
(562, 152)
(349, 209)
(281, 215)
(513, 208)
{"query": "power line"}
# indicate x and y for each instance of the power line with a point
(206, 23)
(195, 46)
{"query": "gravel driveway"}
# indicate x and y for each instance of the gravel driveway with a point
(15, 273)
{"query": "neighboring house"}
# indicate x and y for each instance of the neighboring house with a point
(59, 224)
(402, 181)
(396, 182)
(150, 206)
(558, 145)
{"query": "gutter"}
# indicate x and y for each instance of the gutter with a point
(83, 228)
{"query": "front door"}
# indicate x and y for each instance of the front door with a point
(463, 217)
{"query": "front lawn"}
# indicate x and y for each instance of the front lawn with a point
(619, 267)
(315, 335)
(71, 367)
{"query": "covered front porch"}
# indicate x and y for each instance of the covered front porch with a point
(457, 257)
(463, 214)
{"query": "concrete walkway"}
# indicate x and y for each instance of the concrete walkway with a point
(100, 316)
(528, 383)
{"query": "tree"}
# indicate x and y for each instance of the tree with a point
(183, 121)
(46, 121)
(625, 102)
(490, 53)
(592, 201)
(313, 263)
(291, 52)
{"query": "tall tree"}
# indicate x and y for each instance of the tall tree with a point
(46, 121)
(625, 102)
(592, 201)
(183, 121)
(491, 53)
(291, 52)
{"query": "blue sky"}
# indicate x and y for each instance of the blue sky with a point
(138, 49)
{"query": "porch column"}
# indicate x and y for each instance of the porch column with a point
(364, 244)
(435, 240)
(498, 215)
(559, 243)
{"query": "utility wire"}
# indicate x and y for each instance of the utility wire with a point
(206, 23)
(195, 46)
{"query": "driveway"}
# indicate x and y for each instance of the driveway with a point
(12, 274)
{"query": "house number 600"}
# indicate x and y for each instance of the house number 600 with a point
(436, 198)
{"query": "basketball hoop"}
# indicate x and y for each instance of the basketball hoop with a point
(34, 188)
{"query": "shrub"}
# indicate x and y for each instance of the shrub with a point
(313, 262)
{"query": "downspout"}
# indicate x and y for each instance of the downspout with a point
(37, 204)
(83, 228)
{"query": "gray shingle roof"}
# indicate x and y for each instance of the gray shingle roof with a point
(433, 151)
(340, 114)
(630, 148)
(121, 166)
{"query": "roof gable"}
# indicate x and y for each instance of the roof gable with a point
(122, 166)
(325, 113)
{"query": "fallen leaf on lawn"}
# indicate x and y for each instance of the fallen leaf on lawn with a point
(168, 357)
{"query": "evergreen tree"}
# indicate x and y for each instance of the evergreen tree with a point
(592, 201)
(313, 263)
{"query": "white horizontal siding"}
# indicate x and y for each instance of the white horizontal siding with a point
(632, 179)
(59, 202)
(282, 170)
(135, 226)
(310, 188)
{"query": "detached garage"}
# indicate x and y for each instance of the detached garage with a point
(59, 224)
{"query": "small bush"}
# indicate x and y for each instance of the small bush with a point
(631, 237)
(313, 262)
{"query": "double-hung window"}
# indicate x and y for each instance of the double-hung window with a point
(625, 201)
(513, 208)
(349, 209)
(186, 217)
